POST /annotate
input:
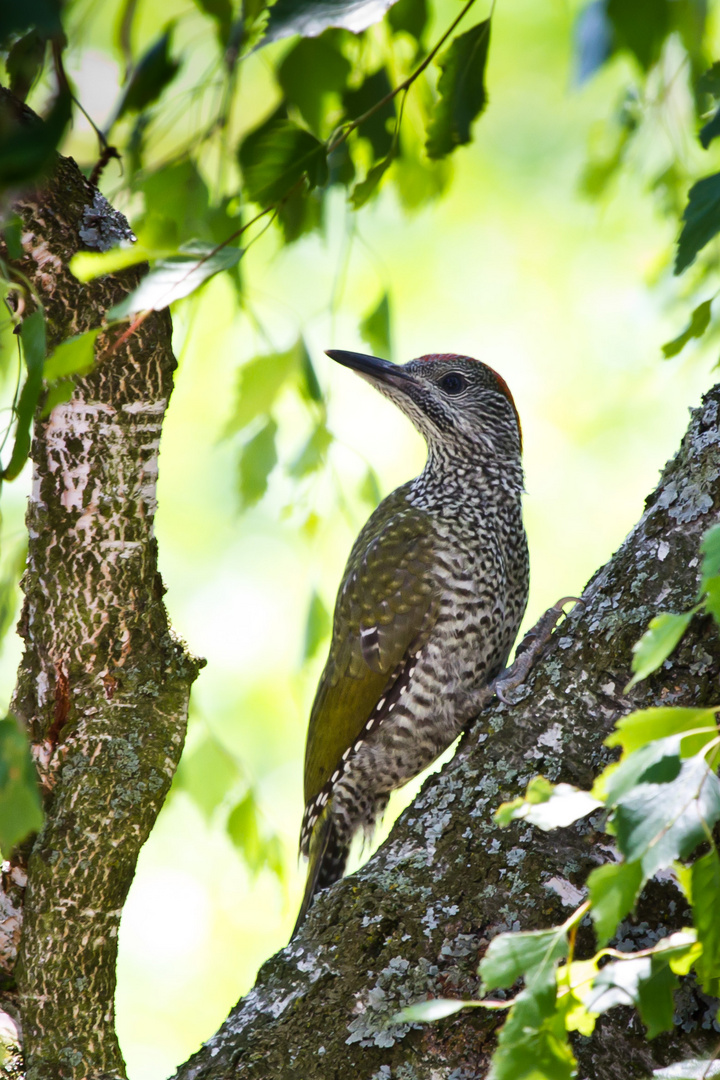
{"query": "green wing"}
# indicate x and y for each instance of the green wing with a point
(384, 612)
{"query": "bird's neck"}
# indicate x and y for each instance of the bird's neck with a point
(451, 475)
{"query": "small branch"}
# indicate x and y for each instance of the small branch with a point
(406, 83)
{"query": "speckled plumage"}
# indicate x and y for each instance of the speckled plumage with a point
(429, 606)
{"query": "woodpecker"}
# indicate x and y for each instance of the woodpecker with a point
(428, 608)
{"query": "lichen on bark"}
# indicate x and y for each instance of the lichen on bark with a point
(415, 920)
(103, 684)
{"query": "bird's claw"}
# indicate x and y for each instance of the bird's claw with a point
(530, 648)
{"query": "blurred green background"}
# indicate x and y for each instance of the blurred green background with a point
(570, 299)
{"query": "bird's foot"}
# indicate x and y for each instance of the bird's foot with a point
(529, 650)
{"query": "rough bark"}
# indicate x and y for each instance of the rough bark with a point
(416, 919)
(103, 685)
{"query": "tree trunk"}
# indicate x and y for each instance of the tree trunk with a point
(414, 922)
(103, 685)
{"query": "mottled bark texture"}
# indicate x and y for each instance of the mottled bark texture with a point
(416, 919)
(103, 685)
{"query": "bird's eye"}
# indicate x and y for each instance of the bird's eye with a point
(453, 383)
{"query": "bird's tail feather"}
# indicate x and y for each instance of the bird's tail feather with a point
(328, 857)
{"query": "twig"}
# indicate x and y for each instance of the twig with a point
(406, 83)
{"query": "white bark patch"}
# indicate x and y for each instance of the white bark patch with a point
(74, 420)
(552, 737)
(152, 408)
(570, 896)
(43, 685)
(48, 264)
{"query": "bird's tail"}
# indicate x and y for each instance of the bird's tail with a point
(328, 857)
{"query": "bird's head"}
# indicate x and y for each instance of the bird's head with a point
(459, 404)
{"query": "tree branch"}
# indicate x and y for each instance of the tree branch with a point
(103, 685)
(416, 919)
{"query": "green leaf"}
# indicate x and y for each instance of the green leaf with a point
(647, 982)
(57, 394)
(365, 189)
(308, 73)
(221, 12)
(32, 335)
(317, 626)
(657, 761)
(310, 17)
(705, 888)
(690, 1069)
(276, 156)
(20, 808)
(24, 62)
(655, 997)
(259, 381)
(310, 386)
(12, 232)
(640, 27)
(155, 70)
(710, 572)
(710, 130)
(243, 830)
(643, 726)
(533, 1042)
(617, 984)
(699, 322)
(549, 806)
(369, 490)
(313, 453)
(174, 278)
(710, 548)
(573, 981)
(709, 81)
(656, 644)
(41, 15)
(712, 598)
(178, 205)
(76, 356)
(258, 458)
(657, 823)
(10, 588)
(300, 213)
(375, 328)
(602, 167)
(27, 150)
(613, 890)
(380, 126)
(86, 265)
(532, 954)
(410, 17)
(434, 1009)
(461, 89)
(701, 220)
(207, 773)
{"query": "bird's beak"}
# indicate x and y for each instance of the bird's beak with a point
(371, 367)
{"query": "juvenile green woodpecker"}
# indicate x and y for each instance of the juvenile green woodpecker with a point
(428, 608)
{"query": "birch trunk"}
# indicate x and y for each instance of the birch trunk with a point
(103, 684)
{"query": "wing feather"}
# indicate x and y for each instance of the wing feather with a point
(385, 611)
